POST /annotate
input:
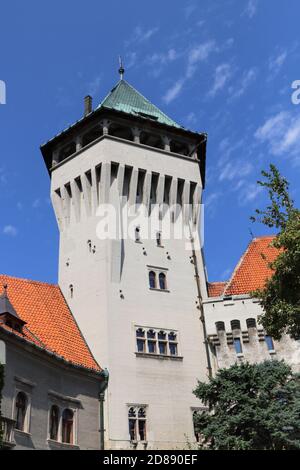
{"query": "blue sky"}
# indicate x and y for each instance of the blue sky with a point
(224, 67)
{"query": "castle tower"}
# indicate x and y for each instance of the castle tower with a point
(133, 291)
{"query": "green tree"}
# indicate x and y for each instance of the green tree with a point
(280, 298)
(250, 406)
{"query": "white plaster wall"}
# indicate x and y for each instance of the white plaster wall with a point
(255, 350)
(107, 321)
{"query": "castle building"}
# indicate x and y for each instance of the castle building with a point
(52, 383)
(134, 295)
(232, 314)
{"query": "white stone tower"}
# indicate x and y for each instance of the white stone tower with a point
(135, 298)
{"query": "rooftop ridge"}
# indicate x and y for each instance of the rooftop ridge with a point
(124, 97)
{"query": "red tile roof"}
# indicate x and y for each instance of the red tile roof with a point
(251, 272)
(215, 289)
(49, 321)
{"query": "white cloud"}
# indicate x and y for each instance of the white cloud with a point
(195, 54)
(94, 85)
(141, 35)
(250, 9)
(210, 203)
(130, 59)
(173, 91)
(275, 63)
(10, 230)
(235, 169)
(247, 78)
(222, 74)
(281, 133)
(198, 54)
(248, 192)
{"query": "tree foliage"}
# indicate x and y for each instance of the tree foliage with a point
(250, 406)
(280, 298)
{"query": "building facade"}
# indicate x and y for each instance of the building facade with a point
(52, 383)
(134, 293)
(126, 188)
(232, 314)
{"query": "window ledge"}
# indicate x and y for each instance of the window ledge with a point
(61, 445)
(272, 351)
(159, 356)
(22, 433)
(158, 290)
(240, 355)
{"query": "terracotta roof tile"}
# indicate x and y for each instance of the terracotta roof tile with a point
(215, 289)
(49, 321)
(253, 269)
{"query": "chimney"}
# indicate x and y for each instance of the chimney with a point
(87, 105)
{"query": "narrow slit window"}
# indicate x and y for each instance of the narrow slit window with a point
(238, 345)
(269, 343)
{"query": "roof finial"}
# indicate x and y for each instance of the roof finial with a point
(121, 68)
(5, 289)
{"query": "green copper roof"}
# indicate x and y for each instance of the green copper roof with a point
(123, 97)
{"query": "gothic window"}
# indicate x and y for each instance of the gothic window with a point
(162, 343)
(132, 423)
(140, 340)
(137, 423)
(172, 337)
(152, 280)
(269, 342)
(21, 410)
(151, 336)
(67, 426)
(156, 342)
(196, 414)
(54, 420)
(162, 281)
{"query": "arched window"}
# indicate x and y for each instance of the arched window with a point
(67, 426)
(132, 423)
(162, 342)
(140, 340)
(151, 336)
(54, 419)
(152, 280)
(142, 423)
(21, 408)
(172, 343)
(162, 281)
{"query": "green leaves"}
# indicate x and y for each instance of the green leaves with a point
(251, 406)
(280, 299)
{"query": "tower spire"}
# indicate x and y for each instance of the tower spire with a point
(121, 68)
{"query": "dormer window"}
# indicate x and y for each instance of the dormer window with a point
(8, 315)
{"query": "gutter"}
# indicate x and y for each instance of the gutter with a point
(200, 300)
(103, 386)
